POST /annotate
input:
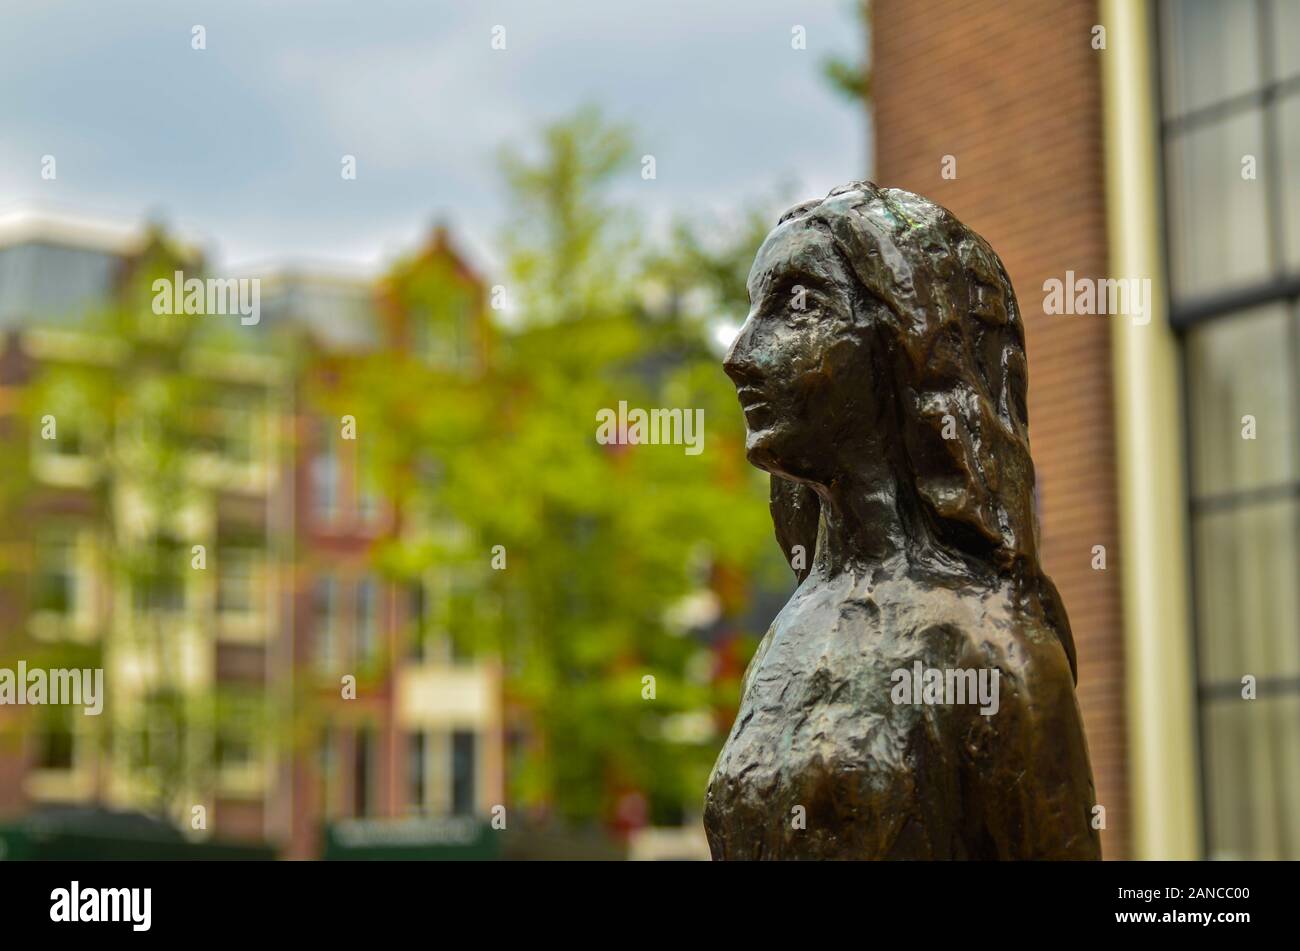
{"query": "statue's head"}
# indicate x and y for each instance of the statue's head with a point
(884, 333)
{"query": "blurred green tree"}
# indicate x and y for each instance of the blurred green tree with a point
(852, 79)
(614, 554)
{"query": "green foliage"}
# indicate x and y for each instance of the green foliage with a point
(569, 250)
(852, 79)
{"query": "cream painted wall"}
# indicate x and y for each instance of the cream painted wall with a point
(1149, 434)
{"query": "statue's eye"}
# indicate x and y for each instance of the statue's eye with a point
(799, 298)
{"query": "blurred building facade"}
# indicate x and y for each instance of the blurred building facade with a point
(234, 651)
(1143, 140)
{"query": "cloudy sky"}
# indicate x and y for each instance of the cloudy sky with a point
(238, 146)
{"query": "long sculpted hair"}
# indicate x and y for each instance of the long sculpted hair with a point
(953, 341)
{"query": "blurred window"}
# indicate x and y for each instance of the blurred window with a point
(439, 346)
(56, 742)
(440, 617)
(1285, 27)
(1231, 131)
(69, 439)
(416, 769)
(234, 747)
(325, 612)
(159, 735)
(463, 600)
(56, 575)
(160, 579)
(1218, 222)
(363, 773)
(370, 504)
(1231, 101)
(464, 763)
(457, 602)
(237, 580)
(1212, 52)
(227, 427)
(68, 431)
(418, 644)
(325, 481)
(440, 336)
(366, 629)
(51, 285)
(327, 766)
(237, 730)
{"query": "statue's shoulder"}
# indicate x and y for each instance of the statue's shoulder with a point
(1024, 647)
(982, 629)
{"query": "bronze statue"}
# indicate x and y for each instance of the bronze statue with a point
(915, 697)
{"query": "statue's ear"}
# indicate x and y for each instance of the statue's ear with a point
(796, 512)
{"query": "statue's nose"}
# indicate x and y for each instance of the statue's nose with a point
(738, 363)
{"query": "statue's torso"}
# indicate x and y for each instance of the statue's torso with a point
(818, 728)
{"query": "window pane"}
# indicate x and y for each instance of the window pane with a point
(160, 584)
(1288, 119)
(1211, 52)
(1286, 38)
(235, 581)
(56, 578)
(362, 774)
(69, 440)
(1218, 225)
(56, 744)
(237, 430)
(367, 620)
(1246, 593)
(325, 476)
(325, 609)
(327, 764)
(1237, 367)
(415, 620)
(415, 771)
(1253, 774)
(368, 480)
(236, 737)
(463, 766)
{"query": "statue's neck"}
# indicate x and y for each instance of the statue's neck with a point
(861, 528)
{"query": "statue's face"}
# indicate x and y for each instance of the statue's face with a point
(799, 364)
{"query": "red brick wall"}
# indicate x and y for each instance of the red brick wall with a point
(1012, 91)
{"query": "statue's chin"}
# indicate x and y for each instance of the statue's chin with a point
(766, 450)
(758, 450)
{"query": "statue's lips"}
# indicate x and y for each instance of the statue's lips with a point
(750, 398)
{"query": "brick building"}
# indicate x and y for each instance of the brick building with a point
(225, 669)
